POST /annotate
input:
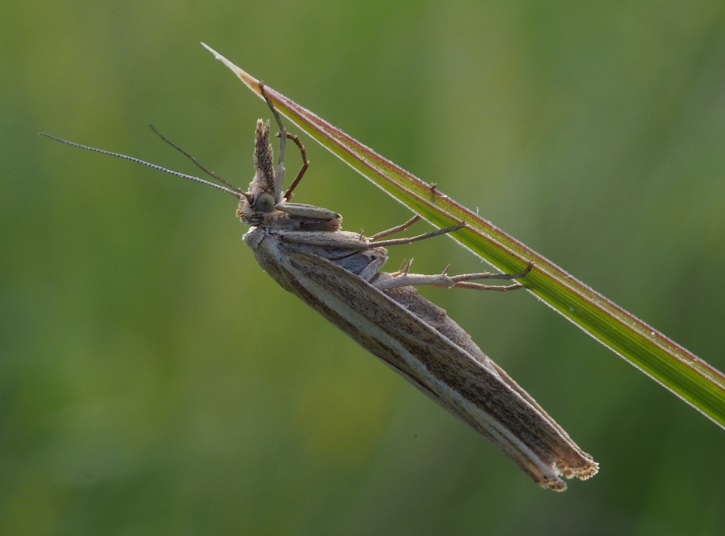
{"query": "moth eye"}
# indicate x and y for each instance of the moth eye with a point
(264, 202)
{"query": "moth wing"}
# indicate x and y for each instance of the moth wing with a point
(483, 396)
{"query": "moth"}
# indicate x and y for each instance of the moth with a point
(338, 274)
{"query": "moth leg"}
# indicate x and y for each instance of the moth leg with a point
(305, 164)
(403, 278)
(283, 136)
(372, 268)
(409, 240)
(279, 170)
(397, 229)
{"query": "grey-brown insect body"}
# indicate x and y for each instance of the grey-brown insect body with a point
(337, 273)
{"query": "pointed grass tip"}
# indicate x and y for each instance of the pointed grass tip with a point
(244, 76)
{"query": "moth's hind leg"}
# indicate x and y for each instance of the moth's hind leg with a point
(403, 278)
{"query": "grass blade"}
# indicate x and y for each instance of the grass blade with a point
(671, 365)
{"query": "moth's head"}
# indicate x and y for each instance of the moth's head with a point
(258, 203)
(255, 208)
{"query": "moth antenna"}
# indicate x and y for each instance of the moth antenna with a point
(195, 161)
(144, 163)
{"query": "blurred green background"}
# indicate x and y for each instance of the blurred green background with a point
(154, 381)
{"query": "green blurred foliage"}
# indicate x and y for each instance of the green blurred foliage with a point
(154, 381)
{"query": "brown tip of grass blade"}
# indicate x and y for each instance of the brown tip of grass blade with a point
(251, 82)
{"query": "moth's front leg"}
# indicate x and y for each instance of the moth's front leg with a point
(403, 278)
